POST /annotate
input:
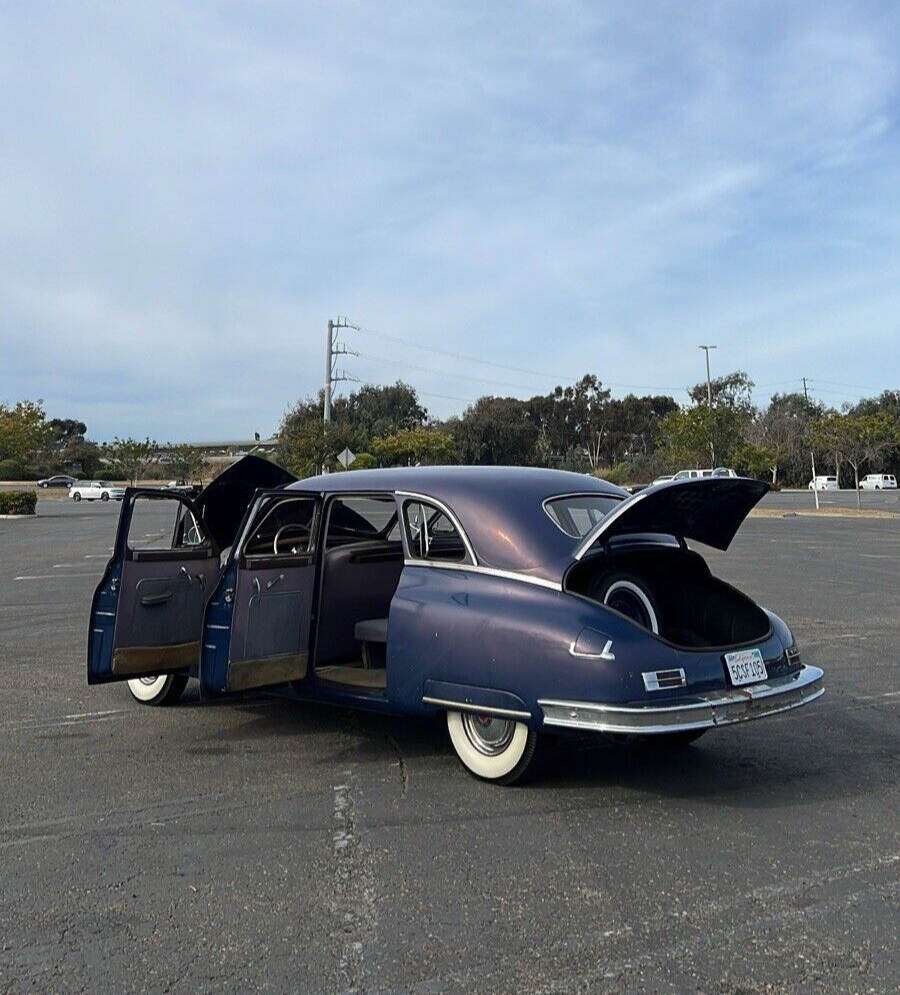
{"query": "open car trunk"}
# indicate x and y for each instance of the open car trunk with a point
(635, 561)
(692, 608)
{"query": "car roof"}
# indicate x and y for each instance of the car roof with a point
(499, 507)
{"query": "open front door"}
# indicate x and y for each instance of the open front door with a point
(147, 612)
(258, 621)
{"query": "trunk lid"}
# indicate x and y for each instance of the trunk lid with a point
(709, 510)
(224, 501)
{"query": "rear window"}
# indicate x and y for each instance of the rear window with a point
(577, 514)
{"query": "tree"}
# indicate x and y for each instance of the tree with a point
(188, 463)
(568, 417)
(311, 447)
(690, 435)
(496, 430)
(23, 430)
(375, 410)
(415, 446)
(777, 433)
(824, 437)
(863, 437)
(754, 459)
(129, 457)
(733, 390)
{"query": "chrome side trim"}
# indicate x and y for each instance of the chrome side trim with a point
(464, 706)
(606, 654)
(551, 585)
(414, 496)
(107, 614)
(211, 625)
(703, 711)
(603, 525)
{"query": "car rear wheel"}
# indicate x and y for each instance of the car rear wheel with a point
(165, 689)
(491, 747)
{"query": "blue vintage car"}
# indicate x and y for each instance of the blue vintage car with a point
(516, 601)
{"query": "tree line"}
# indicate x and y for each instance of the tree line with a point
(33, 446)
(583, 428)
(578, 427)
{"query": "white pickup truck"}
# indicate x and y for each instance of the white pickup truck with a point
(95, 490)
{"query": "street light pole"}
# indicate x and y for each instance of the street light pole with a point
(706, 349)
(712, 447)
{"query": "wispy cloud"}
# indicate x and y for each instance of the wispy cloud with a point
(187, 191)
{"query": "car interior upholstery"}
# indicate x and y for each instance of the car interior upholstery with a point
(361, 569)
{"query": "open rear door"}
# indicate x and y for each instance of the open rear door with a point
(147, 611)
(258, 620)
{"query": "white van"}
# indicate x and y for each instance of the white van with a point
(824, 484)
(878, 482)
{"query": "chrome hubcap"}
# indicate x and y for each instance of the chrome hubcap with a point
(487, 733)
(148, 680)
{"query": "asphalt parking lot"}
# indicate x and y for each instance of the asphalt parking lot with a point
(263, 845)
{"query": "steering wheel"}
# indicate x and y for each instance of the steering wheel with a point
(278, 534)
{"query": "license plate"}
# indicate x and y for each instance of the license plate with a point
(746, 667)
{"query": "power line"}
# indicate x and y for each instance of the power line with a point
(502, 366)
(446, 373)
(832, 383)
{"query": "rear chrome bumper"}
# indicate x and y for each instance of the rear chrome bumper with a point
(702, 711)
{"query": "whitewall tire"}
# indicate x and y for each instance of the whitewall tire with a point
(492, 748)
(628, 596)
(165, 689)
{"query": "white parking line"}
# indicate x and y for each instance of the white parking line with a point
(52, 576)
(60, 566)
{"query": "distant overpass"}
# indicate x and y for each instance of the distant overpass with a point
(225, 448)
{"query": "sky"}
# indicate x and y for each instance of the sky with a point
(189, 190)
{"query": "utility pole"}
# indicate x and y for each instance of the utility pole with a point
(805, 392)
(329, 349)
(333, 349)
(706, 349)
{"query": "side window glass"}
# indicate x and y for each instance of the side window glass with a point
(362, 519)
(432, 534)
(161, 523)
(283, 528)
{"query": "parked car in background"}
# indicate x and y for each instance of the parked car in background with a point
(59, 480)
(692, 474)
(878, 482)
(665, 478)
(824, 484)
(723, 471)
(512, 602)
(95, 490)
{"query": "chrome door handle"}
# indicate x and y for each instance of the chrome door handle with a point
(270, 584)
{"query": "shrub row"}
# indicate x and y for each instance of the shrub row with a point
(17, 502)
(11, 469)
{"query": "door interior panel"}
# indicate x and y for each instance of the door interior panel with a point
(274, 625)
(160, 615)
